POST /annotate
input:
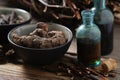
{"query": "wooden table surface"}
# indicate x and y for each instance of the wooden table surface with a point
(10, 71)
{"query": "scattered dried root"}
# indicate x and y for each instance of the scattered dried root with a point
(7, 55)
(81, 72)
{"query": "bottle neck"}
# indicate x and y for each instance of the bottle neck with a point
(87, 17)
(99, 4)
(87, 20)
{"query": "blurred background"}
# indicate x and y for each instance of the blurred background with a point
(60, 11)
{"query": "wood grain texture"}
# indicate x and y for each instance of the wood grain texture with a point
(21, 72)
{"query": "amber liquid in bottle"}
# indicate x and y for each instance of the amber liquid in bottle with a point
(106, 38)
(88, 38)
(94, 53)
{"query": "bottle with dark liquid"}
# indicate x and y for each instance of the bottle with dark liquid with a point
(104, 19)
(88, 38)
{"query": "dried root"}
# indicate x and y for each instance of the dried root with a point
(41, 38)
(107, 65)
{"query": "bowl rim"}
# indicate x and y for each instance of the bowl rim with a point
(67, 41)
(16, 9)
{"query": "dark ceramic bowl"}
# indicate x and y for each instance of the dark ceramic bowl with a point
(40, 56)
(5, 28)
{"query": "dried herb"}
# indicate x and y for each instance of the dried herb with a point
(2, 57)
(7, 55)
(10, 18)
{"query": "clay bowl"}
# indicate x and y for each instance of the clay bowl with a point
(40, 56)
(5, 28)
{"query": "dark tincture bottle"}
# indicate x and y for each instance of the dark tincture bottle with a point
(88, 38)
(104, 19)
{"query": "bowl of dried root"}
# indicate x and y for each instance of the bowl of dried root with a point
(10, 18)
(40, 43)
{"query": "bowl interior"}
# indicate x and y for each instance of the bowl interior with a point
(26, 29)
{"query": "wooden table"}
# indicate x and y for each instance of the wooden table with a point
(10, 71)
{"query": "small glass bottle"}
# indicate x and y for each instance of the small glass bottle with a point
(104, 19)
(88, 38)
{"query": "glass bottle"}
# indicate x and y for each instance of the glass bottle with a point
(104, 19)
(88, 38)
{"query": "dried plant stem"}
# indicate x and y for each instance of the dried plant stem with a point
(74, 9)
(35, 6)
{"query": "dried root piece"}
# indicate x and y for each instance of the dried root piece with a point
(107, 65)
(42, 26)
(46, 43)
(24, 40)
(28, 40)
(42, 43)
(39, 32)
(2, 57)
(57, 38)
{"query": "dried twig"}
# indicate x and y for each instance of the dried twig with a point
(83, 72)
(74, 9)
(35, 6)
(57, 6)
